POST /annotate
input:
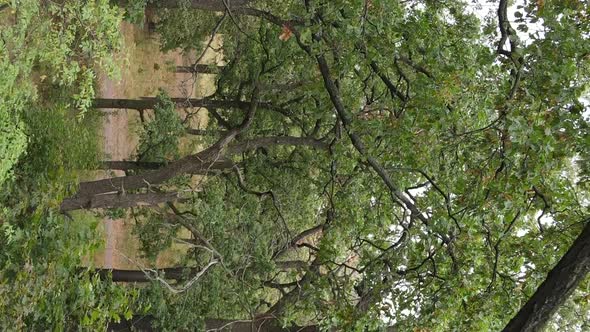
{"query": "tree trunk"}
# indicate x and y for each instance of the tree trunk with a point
(212, 5)
(145, 324)
(237, 7)
(561, 281)
(142, 165)
(130, 165)
(204, 132)
(172, 273)
(199, 68)
(150, 103)
(116, 200)
(186, 165)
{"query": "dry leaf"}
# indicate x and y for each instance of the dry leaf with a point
(286, 33)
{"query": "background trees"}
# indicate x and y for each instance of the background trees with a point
(50, 53)
(368, 164)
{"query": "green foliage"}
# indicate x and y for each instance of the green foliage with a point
(42, 285)
(50, 54)
(155, 232)
(64, 44)
(135, 11)
(179, 31)
(479, 146)
(490, 148)
(159, 138)
(13, 143)
(220, 211)
(59, 146)
(49, 42)
(115, 213)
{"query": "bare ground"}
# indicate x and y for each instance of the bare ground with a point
(146, 69)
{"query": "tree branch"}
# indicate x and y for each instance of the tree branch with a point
(346, 119)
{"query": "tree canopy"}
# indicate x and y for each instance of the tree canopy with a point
(369, 165)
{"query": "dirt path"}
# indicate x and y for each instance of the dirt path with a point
(148, 70)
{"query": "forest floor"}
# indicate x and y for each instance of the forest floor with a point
(145, 70)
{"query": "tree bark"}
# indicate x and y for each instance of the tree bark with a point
(130, 165)
(116, 200)
(561, 281)
(150, 103)
(145, 324)
(200, 162)
(213, 5)
(199, 68)
(237, 7)
(172, 273)
(125, 165)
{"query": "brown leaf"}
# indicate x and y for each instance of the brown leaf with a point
(286, 33)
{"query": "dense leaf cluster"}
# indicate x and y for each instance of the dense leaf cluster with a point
(401, 164)
(482, 143)
(50, 53)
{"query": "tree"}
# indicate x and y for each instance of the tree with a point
(562, 280)
(50, 54)
(416, 161)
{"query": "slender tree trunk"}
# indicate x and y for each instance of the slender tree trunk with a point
(171, 273)
(124, 165)
(145, 323)
(130, 165)
(204, 132)
(199, 68)
(561, 281)
(213, 5)
(150, 103)
(237, 7)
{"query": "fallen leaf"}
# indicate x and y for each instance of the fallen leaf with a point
(286, 33)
